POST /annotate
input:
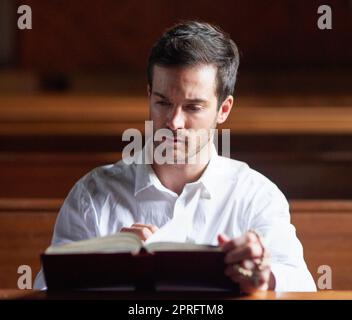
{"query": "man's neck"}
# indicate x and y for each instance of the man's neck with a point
(176, 176)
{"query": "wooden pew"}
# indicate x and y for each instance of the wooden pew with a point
(51, 140)
(47, 175)
(302, 175)
(324, 228)
(99, 116)
(25, 231)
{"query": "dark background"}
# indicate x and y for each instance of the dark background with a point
(110, 40)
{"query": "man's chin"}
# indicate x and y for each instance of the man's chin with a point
(171, 155)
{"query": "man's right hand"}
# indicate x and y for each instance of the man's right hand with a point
(143, 231)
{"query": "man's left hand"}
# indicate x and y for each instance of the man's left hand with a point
(247, 262)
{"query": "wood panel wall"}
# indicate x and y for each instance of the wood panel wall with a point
(111, 35)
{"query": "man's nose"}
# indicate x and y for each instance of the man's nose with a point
(175, 119)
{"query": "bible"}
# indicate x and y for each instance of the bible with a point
(122, 261)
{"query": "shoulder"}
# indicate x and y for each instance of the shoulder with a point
(258, 199)
(239, 170)
(107, 176)
(248, 181)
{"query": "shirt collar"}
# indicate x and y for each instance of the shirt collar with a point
(144, 171)
(145, 176)
(209, 178)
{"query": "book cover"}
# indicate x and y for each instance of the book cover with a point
(122, 261)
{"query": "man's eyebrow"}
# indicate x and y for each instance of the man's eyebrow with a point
(195, 100)
(160, 95)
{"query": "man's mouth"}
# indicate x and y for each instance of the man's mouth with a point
(173, 139)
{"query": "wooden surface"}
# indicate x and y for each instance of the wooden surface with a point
(26, 228)
(47, 174)
(89, 115)
(303, 143)
(40, 295)
(39, 174)
(323, 227)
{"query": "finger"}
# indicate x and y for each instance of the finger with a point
(261, 283)
(151, 227)
(240, 241)
(142, 233)
(223, 239)
(262, 263)
(232, 270)
(247, 283)
(246, 252)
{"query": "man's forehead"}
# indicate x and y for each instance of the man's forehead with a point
(198, 70)
(189, 78)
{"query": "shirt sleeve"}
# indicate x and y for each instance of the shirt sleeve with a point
(269, 215)
(76, 221)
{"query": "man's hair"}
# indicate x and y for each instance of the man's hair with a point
(192, 43)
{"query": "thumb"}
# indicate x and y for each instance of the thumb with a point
(222, 238)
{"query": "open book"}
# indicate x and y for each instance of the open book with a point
(125, 242)
(122, 260)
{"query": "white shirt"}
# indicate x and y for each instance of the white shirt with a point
(229, 198)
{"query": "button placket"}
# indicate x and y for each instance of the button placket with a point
(194, 221)
(198, 223)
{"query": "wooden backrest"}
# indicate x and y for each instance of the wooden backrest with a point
(324, 228)
(47, 175)
(300, 175)
(50, 115)
(26, 227)
(48, 142)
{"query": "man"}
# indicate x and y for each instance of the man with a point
(191, 76)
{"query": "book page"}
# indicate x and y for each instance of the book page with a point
(174, 230)
(179, 246)
(119, 242)
(179, 227)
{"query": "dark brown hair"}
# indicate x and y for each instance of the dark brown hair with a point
(192, 43)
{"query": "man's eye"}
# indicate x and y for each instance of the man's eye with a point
(163, 103)
(193, 108)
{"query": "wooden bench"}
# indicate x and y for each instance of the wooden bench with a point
(47, 175)
(303, 143)
(25, 231)
(303, 174)
(50, 115)
(324, 228)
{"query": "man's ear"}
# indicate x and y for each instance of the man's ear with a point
(225, 110)
(149, 90)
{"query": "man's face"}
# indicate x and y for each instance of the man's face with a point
(183, 100)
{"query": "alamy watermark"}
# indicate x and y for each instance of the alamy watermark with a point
(24, 281)
(24, 21)
(325, 280)
(164, 146)
(325, 19)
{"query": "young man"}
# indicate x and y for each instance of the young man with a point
(191, 77)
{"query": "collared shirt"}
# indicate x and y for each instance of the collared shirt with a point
(229, 198)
